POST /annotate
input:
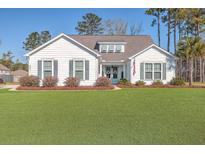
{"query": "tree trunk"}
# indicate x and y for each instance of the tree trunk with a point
(200, 69)
(195, 69)
(190, 71)
(187, 69)
(168, 33)
(203, 70)
(180, 30)
(175, 41)
(158, 20)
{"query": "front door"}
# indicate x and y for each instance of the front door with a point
(112, 73)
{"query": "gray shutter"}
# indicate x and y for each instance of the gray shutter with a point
(71, 68)
(141, 71)
(55, 68)
(40, 69)
(86, 70)
(164, 71)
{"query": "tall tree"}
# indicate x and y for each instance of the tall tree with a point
(45, 36)
(157, 13)
(187, 50)
(166, 18)
(91, 24)
(7, 59)
(115, 27)
(36, 39)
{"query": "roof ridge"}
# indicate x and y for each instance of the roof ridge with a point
(109, 35)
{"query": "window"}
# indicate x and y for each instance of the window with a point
(47, 68)
(118, 48)
(148, 71)
(79, 69)
(103, 48)
(157, 71)
(111, 48)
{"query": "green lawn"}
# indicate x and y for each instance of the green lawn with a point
(128, 116)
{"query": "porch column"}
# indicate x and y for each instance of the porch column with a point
(124, 73)
(100, 70)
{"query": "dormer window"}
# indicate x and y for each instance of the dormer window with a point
(103, 48)
(118, 48)
(111, 48)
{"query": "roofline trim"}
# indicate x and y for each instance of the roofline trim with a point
(152, 45)
(56, 38)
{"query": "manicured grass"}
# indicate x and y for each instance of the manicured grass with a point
(128, 116)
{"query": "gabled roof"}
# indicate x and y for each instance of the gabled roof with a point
(155, 46)
(133, 45)
(3, 68)
(62, 35)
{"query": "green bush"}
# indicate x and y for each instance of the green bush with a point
(124, 82)
(157, 83)
(139, 83)
(177, 81)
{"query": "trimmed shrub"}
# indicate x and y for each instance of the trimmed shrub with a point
(124, 82)
(157, 83)
(29, 81)
(103, 81)
(139, 83)
(177, 81)
(1, 80)
(72, 82)
(50, 81)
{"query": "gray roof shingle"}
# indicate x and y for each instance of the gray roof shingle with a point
(133, 45)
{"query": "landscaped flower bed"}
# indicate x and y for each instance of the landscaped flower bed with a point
(159, 86)
(67, 88)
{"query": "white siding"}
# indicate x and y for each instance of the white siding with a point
(153, 55)
(63, 50)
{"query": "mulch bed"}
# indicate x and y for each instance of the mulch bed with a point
(158, 86)
(66, 88)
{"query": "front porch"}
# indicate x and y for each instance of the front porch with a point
(113, 71)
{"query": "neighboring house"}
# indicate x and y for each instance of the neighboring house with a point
(5, 74)
(89, 57)
(4, 70)
(18, 74)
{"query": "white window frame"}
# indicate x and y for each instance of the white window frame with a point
(158, 72)
(149, 72)
(111, 51)
(42, 67)
(118, 51)
(103, 50)
(74, 60)
(153, 70)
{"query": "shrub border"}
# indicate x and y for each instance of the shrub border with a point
(159, 86)
(66, 88)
